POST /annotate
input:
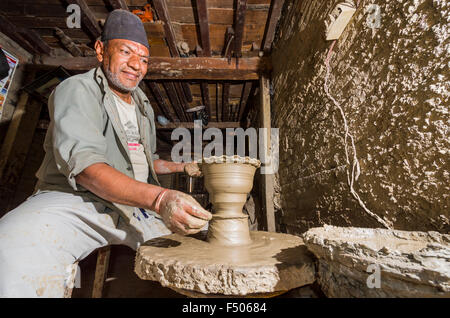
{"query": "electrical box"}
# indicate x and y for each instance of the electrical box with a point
(338, 19)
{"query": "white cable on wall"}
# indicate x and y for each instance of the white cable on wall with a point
(351, 178)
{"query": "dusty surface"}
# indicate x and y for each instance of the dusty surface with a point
(393, 85)
(411, 264)
(273, 262)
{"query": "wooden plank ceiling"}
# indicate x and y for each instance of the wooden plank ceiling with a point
(226, 29)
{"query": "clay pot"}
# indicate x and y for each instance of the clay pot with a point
(228, 185)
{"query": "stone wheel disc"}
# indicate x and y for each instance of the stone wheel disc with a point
(273, 262)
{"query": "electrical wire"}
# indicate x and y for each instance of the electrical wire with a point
(355, 171)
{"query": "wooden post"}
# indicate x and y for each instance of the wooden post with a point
(267, 179)
(101, 271)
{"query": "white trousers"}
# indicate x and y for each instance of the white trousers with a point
(41, 239)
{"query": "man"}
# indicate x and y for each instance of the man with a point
(98, 182)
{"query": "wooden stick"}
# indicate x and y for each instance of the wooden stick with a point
(267, 184)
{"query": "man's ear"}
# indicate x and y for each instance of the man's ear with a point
(100, 50)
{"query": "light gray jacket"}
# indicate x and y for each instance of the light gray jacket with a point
(85, 128)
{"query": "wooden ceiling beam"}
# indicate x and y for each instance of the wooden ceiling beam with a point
(162, 11)
(157, 94)
(203, 24)
(155, 105)
(168, 68)
(182, 98)
(239, 24)
(249, 102)
(244, 98)
(204, 87)
(173, 98)
(225, 101)
(208, 68)
(35, 39)
(160, 7)
(272, 20)
(11, 31)
(187, 92)
(190, 125)
(68, 43)
(218, 105)
(205, 49)
(88, 19)
(233, 36)
(118, 4)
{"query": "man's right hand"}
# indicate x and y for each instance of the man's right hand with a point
(181, 213)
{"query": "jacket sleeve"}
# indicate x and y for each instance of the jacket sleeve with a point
(78, 141)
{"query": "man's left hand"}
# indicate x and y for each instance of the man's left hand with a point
(192, 169)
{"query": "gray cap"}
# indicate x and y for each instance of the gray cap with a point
(122, 24)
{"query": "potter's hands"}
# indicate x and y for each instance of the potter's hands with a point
(181, 213)
(192, 169)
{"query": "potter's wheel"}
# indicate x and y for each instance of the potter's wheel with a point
(228, 259)
(271, 263)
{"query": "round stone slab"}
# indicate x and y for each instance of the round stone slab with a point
(272, 262)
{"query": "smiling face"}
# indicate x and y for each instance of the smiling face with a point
(124, 63)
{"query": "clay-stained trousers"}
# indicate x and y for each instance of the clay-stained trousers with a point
(42, 238)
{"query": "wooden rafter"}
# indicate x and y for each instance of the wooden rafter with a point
(244, 98)
(204, 87)
(87, 18)
(225, 101)
(156, 91)
(68, 43)
(118, 4)
(35, 39)
(205, 50)
(239, 24)
(233, 37)
(203, 24)
(163, 14)
(250, 101)
(218, 105)
(190, 125)
(173, 98)
(182, 98)
(187, 92)
(208, 68)
(10, 30)
(160, 7)
(272, 20)
(155, 105)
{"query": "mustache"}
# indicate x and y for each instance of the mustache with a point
(139, 74)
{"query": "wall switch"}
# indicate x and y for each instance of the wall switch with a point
(338, 19)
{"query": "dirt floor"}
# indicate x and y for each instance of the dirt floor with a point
(122, 282)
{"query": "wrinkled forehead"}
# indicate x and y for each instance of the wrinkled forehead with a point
(135, 47)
